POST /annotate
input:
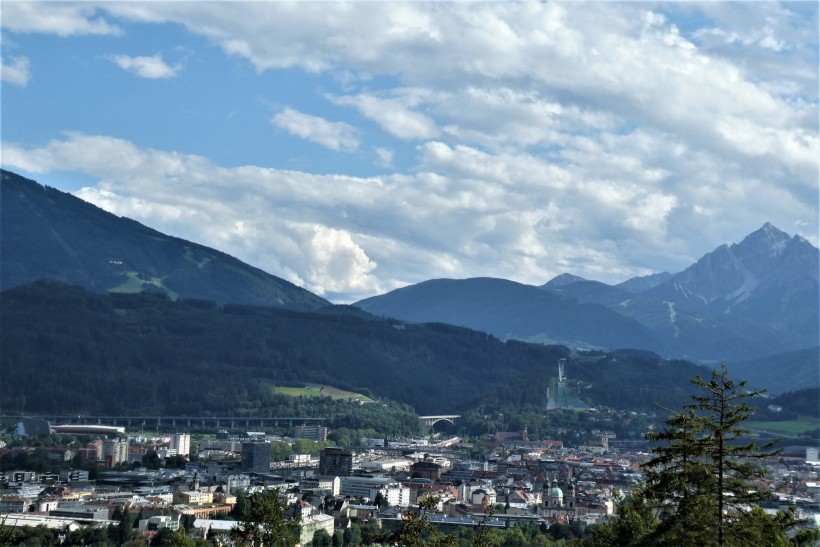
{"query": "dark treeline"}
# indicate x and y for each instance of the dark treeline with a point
(68, 350)
(65, 350)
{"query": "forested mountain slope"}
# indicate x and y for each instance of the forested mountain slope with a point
(67, 350)
(49, 234)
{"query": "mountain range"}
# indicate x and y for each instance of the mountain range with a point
(754, 302)
(747, 300)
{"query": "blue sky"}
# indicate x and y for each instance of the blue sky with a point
(354, 148)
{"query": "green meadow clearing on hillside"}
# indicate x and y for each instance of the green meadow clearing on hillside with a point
(319, 390)
(135, 284)
(789, 427)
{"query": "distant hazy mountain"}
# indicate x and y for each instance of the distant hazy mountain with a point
(782, 372)
(644, 283)
(755, 298)
(562, 281)
(512, 310)
(46, 233)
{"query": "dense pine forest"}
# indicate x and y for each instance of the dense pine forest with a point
(143, 353)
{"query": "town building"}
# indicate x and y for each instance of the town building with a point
(312, 524)
(256, 457)
(311, 432)
(149, 526)
(74, 475)
(393, 492)
(326, 485)
(114, 452)
(336, 461)
(193, 497)
(426, 470)
(181, 443)
(13, 504)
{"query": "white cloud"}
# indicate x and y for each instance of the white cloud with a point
(337, 136)
(516, 74)
(15, 72)
(338, 264)
(612, 55)
(464, 213)
(597, 138)
(384, 156)
(394, 114)
(60, 18)
(146, 67)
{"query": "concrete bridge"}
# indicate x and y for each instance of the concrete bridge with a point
(430, 421)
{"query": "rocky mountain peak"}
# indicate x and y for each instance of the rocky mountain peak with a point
(768, 276)
(766, 241)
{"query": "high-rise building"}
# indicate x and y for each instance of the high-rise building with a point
(181, 442)
(256, 457)
(335, 462)
(311, 432)
(115, 451)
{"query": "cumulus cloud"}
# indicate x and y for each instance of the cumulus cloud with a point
(597, 138)
(469, 68)
(338, 264)
(15, 70)
(146, 67)
(464, 213)
(60, 18)
(394, 114)
(337, 136)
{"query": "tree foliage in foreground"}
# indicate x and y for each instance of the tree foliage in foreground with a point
(265, 524)
(704, 480)
(416, 530)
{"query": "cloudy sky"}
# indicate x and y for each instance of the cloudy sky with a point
(354, 148)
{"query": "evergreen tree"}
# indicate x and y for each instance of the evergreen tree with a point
(727, 451)
(680, 483)
(703, 479)
(705, 476)
(241, 502)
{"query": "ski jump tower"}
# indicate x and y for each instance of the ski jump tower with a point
(560, 398)
(561, 395)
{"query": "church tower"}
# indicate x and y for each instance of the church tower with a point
(553, 496)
